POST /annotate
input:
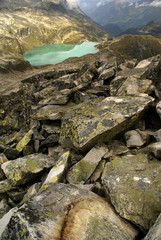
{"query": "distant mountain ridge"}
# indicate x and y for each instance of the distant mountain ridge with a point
(127, 14)
(27, 24)
(151, 28)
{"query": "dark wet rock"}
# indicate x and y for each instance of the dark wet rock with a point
(24, 169)
(133, 184)
(155, 232)
(61, 204)
(82, 170)
(82, 127)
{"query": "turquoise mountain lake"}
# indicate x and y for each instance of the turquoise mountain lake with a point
(56, 53)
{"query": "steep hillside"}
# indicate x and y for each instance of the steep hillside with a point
(27, 24)
(139, 47)
(151, 28)
(112, 29)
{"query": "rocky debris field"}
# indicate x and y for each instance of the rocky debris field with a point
(80, 153)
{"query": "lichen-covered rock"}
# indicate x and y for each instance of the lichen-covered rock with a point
(58, 170)
(24, 169)
(134, 186)
(66, 212)
(24, 141)
(57, 98)
(5, 186)
(130, 86)
(155, 232)
(82, 170)
(50, 112)
(90, 123)
(146, 69)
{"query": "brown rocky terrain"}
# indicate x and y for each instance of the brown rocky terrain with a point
(136, 46)
(80, 149)
(28, 24)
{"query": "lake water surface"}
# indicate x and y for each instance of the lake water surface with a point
(56, 53)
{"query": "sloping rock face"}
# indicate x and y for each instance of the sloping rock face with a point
(64, 212)
(9, 63)
(133, 186)
(22, 27)
(83, 126)
(49, 170)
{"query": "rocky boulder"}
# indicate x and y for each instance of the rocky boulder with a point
(24, 169)
(65, 212)
(82, 170)
(133, 184)
(87, 123)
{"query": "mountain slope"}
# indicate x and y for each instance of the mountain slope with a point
(151, 28)
(127, 14)
(27, 24)
(133, 46)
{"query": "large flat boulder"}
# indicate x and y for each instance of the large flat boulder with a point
(65, 212)
(90, 123)
(22, 170)
(134, 185)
